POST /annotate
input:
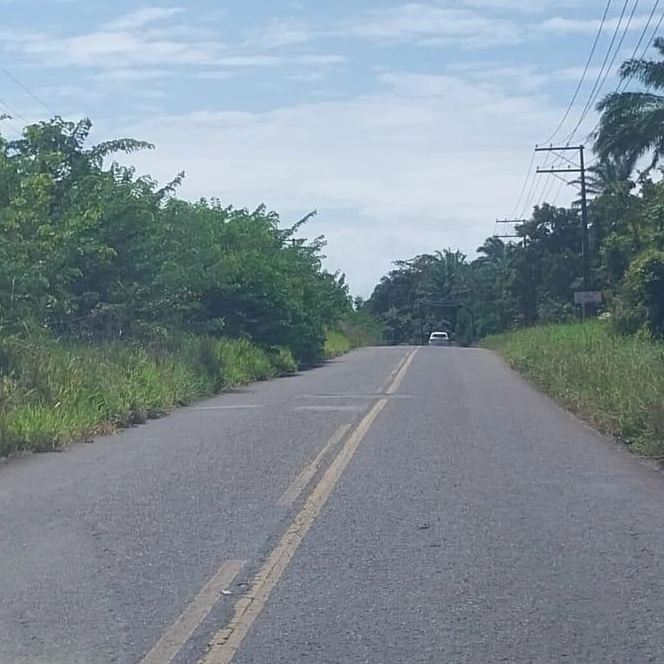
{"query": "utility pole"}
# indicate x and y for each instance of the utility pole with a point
(584, 222)
(511, 236)
(585, 245)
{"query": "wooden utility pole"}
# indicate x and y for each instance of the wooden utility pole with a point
(585, 244)
(511, 236)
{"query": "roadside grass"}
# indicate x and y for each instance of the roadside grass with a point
(615, 383)
(53, 393)
(336, 344)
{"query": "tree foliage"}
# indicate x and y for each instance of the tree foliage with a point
(89, 248)
(533, 280)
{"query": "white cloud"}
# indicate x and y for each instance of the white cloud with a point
(132, 42)
(420, 163)
(432, 24)
(130, 75)
(574, 73)
(141, 17)
(260, 60)
(107, 49)
(280, 33)
(517, 78)
(564, 25)
(526, 6)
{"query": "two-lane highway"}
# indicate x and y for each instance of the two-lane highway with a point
(393, 506)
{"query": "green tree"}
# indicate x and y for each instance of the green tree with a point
(642, 302)
(92, 249)
(632, 123)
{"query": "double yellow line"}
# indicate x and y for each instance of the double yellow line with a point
(227, 640)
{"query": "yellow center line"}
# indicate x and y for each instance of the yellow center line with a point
(180, 631)
(396, 370)
(304, 477)
(400, 374)
(227, 640)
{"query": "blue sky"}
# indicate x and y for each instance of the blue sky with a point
(408, 126)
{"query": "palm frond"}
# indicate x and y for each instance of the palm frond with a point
(630, 126)
(648, 72)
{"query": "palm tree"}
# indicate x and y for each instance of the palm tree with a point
(632, 123)
(609, 176)
(493, 251)
(613, 204)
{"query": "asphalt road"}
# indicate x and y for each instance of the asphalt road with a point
(437, 510)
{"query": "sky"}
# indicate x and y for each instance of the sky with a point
(408, 126)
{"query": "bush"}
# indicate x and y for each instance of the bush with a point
(641, 303)
(463, 332)
(283, 360)
(336, 343)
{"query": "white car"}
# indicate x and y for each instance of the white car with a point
(439, 339)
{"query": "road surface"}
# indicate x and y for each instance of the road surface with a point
(395, 506)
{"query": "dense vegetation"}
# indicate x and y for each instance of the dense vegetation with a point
(118, 300)
(532, 281)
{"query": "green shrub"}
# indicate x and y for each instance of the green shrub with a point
(463, 332)
(283, 361)
(641, 303)
(336, 343)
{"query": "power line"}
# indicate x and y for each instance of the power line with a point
(529, 174)
(547, 183)
(626, 81)
(556, 196)
(562, 157)
(25, 87)
(14, 127)
(536, 191)
(617, 50)
(653, 34)
(10, 117)
(583, 75)
(596, 87)
(12, 112)
(529, 196)
(622, 86)
(581, 169)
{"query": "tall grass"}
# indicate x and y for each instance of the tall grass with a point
(53, 393)
(614, 382)
(336, 343)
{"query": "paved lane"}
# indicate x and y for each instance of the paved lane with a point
(477, 523)
(456, 516)
(104, 546)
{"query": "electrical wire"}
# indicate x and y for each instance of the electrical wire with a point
(625, 82)
(583, 75)
(27, 89)
(529, 198)
(622, 86)
(534, 193)
(529, 175)
(14, 114)
(596, 87)
(648, 45)
(14, 127)
(556, 196)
